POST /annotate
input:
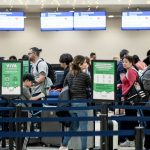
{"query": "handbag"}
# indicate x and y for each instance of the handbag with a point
(136, 94)
(64, 95)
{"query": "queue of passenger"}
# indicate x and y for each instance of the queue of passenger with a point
(77, 72)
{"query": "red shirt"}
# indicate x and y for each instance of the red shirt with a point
(141, 65)
(128, 80)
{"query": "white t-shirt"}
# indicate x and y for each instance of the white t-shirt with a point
(42, 67)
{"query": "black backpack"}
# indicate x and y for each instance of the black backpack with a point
(51, 72)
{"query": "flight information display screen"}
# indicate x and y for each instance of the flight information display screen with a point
(56, 21)
(11, 21)
(139, 20)
(90, 20)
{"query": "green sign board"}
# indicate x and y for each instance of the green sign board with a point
(104, 79)
(11, 78)
(26, 66)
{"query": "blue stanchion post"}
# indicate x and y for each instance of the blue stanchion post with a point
(18, 128)
(10, 129)
(3, 129)
(104, 126)
(139, 136)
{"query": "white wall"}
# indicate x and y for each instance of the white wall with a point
(106, 44)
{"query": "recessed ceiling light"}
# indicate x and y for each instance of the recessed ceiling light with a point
(110, 16)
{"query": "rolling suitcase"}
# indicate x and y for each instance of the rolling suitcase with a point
(51, 126)
(113, 140)
(75, 142)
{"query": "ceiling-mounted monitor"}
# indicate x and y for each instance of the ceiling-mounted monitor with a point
(56, 21)
(90, 20)
(12, 21)
(136, 20)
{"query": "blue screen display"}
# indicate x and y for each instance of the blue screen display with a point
(139, 20)
(11, 21)
(90, 20)
(56, 21)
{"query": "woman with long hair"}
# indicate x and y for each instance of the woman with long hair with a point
(78, 81)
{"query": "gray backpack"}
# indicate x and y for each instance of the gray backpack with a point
(145, 79)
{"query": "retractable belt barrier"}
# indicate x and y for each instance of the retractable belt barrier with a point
(60, 119)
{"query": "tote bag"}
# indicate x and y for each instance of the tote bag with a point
(64, 95)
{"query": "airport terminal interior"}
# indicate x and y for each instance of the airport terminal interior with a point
(93, 53)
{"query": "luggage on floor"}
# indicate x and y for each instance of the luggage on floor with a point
(113, 140)
(75, 142)
(51, 126)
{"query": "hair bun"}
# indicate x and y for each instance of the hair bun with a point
(35, 49)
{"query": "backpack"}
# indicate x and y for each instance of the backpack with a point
(137, 91)
(142, 84)
(51, 72)
(145, 79)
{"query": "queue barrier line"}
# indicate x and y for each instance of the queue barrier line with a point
(44, 101)
(61, 119)
(130, 107)
(52, 108)
(66, 133)
(71, 133)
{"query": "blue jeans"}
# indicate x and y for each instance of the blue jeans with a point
(76, 124)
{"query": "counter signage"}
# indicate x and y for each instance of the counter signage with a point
(104, 81)
(11, 82)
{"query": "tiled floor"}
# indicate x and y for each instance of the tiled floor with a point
(52, 148)
(45, 148)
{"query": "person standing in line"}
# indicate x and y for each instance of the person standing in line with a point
(14, 58)
(78, 81)
(127, 81)
(92, 56)
(147, 59)
(25, 57)
(28, 80)
(65, 60)
(88, 69)
(140, 65)
(40, 74)
(120, 68)
(146, 85)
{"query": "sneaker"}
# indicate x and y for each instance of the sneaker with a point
(125, 144)
(63, 148)
(128, 143)
(132, 143)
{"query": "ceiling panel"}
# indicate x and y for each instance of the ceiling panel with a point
(111, 6)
